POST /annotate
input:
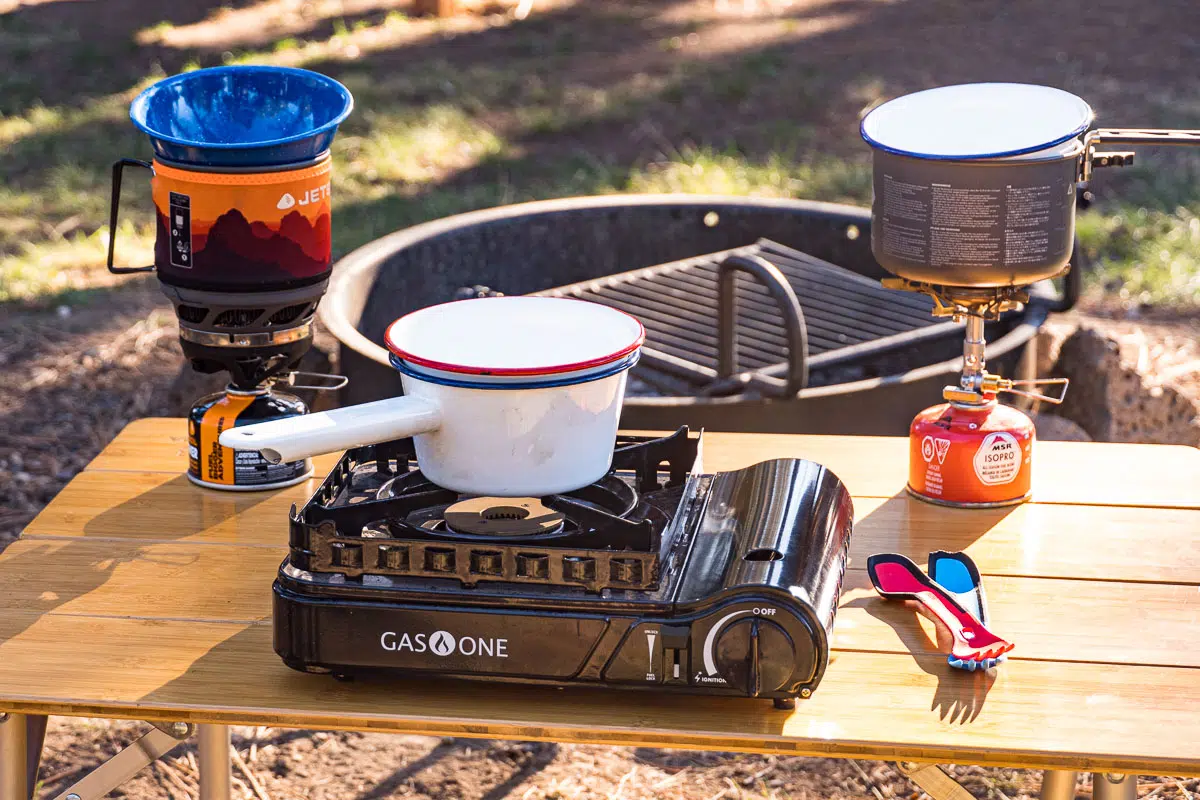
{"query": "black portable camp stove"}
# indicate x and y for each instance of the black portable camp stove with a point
(655, 577)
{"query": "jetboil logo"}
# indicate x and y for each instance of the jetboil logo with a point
(316, 195)
(443, 643)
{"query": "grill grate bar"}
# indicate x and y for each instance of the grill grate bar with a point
(684, 341)
(777, 253)
(670, 336)
(757, 315)
(882, 307)
(690, 322)
(866, 309)
(849, 318)
(758, 305)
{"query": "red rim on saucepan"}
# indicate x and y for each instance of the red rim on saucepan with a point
(516, 336)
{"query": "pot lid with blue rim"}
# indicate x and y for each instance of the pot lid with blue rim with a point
(514, 336)
(977, 120)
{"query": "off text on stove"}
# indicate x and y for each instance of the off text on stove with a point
(442, 643)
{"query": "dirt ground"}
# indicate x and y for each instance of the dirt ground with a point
(729, 75)
(339, 766)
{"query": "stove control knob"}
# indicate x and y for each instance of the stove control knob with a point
(754, 655)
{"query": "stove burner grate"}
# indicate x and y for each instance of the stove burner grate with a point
(376, 514)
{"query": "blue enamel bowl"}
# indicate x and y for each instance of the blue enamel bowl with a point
(242, 116)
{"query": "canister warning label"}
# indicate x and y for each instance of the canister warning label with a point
(934, 451)
(215, 462)
(954, 214)
(998, 459)
(211, 463)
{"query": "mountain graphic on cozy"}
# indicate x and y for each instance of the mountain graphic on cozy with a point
(234, 248)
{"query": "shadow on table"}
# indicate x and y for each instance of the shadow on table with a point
(960, 695)
(243, 672)
(914, 528)
(187, 509)
(39, 575)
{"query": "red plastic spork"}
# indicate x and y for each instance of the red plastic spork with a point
(898, 578)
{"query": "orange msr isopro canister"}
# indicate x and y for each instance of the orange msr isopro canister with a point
(971, 456)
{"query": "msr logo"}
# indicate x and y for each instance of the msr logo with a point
(442, 643)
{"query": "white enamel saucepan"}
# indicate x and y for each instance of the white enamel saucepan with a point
(504, 396)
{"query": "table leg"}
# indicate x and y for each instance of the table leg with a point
(1112, 786)
(215, 768)
(35, 737)
(13, 758)
(1058, 784)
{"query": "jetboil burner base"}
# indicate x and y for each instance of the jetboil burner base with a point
(656, 577)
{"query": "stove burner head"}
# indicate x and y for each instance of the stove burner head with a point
(490, 516)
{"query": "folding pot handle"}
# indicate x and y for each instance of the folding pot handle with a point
(295, 438)
(1128, 136)
(1150, 136)
(118, 168)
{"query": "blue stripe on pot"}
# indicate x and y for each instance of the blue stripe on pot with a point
(617, 367)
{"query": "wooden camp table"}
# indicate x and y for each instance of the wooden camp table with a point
(137, 595)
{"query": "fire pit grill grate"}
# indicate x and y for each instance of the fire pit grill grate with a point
(847, 318)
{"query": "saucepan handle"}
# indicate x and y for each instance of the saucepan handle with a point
(1152, 136)
(118, 169)
(295, 438)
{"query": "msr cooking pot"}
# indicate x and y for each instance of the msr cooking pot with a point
(505, 397)
(975, 184)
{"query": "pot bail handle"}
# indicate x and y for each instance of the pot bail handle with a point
(118, 168)
(295, 438)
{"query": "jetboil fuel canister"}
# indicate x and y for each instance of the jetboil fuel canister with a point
(217, 467)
